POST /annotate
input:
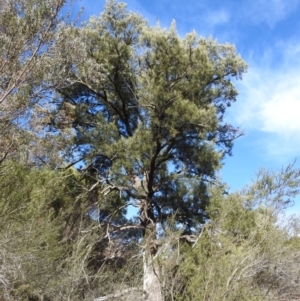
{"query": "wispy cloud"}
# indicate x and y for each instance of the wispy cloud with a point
(270, 12)
(270, 102)
(217, 17)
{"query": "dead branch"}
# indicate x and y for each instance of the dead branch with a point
(119, 294)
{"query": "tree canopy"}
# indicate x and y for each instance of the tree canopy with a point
(146, 109)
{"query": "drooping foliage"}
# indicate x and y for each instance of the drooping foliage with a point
(147, 110)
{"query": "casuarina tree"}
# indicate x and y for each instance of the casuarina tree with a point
(144, 115)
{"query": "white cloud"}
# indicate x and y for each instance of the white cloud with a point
(281, 112)
(269, 102)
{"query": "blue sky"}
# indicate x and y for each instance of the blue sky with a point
(267, 35)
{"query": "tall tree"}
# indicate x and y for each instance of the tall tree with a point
(146, 108)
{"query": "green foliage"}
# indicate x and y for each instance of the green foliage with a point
(242, 254)
(30, 68)
(141, 110)
(51, 249)
(152, 103)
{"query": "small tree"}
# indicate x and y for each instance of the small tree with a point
(50, 249)
(244, 253)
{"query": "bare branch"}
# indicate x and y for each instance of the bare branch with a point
(120, 294)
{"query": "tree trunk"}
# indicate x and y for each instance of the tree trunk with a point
(151, 284)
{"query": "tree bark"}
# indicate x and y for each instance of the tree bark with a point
(151, 282)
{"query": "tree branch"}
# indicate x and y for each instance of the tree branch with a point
(120, 294)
